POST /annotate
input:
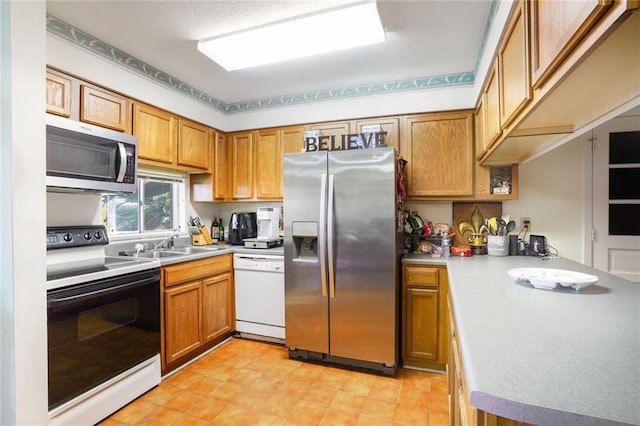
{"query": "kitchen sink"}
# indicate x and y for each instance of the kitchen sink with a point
(159, 254)
(192, 250)
(170, 252)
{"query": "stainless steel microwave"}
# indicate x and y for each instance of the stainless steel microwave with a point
(84, 157)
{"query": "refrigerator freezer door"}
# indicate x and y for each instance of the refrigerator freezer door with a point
(363, 311)
(306, 308)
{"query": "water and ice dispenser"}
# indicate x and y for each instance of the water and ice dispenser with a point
(305, 241)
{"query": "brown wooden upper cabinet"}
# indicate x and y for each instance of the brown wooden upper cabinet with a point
(214, 185)
(339, 128)
(168, 141)
(193, 144)
(268, 164)
(387, 124)
(292, 139)
(58, 90)
(335, 128)
(242, 165)
(439, 151)
(513, 65)
(556, 28)
(221, 176)
(157, 132)
(479, 120)
(105, 108)
(249, 166)
(492, 127)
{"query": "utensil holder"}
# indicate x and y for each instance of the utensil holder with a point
(498, 245)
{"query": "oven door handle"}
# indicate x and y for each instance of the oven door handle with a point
(59, 301)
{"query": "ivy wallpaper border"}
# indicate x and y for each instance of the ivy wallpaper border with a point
(87, 41)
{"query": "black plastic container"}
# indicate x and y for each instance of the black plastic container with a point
(242, 226)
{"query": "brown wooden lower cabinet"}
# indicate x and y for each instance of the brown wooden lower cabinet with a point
(198, 307)
(424, 337)
(461, 412)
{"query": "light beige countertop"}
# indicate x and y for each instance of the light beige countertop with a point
(550, 357)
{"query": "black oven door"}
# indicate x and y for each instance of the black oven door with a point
(100, 329)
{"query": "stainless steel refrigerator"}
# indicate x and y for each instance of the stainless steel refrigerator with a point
(341, 257)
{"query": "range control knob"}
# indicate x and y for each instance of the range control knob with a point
(87, 235)
(67, 237)
(97, 235)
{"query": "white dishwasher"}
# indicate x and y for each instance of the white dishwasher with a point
(259, 282)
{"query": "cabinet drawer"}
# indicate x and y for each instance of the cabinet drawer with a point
(419, 276)
(188, 271)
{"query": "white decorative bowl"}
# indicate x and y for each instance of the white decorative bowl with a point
(548, 278)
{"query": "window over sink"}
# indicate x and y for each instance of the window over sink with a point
(158, 205)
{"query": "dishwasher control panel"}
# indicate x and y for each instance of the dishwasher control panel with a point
(251, 262)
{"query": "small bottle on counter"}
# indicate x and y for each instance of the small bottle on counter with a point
(446, 245)
(215, 230)
(221, 231)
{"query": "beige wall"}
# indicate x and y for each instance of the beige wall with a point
(550, 193)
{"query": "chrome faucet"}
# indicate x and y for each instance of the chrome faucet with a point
(167, 243)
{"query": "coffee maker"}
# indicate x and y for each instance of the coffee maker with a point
(268, 219)
(268, 222)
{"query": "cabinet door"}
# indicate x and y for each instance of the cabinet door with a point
(268, 164)
(439, 148)
(242, 166)
(387, 124)
(421, 316)
(58, 92)
(332, 129)
(221, 167)
(513, 63)
(183, 320)
(193, 145)
(492, 128)
(218, 313)
(479, 120)
(157, 134)
(556, 28)
(292, 139)
(104, 108)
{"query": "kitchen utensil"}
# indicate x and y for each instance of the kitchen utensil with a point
(492, 225)
(511, 225)
(502, 227)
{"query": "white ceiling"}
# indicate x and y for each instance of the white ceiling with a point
(424, 39)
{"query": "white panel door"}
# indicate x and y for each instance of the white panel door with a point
(617, 254)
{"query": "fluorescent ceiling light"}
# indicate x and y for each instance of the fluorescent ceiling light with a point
(337, 29)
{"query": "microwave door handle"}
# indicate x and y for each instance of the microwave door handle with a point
(122, 152)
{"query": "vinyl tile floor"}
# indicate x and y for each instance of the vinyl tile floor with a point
(245, 382)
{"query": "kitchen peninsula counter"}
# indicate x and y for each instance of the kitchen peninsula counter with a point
(551, 357)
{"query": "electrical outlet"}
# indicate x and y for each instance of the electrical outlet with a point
(526, 222)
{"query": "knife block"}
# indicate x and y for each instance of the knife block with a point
(203, 238)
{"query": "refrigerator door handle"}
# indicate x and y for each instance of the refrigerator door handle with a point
(322, 234)
(332, 280)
